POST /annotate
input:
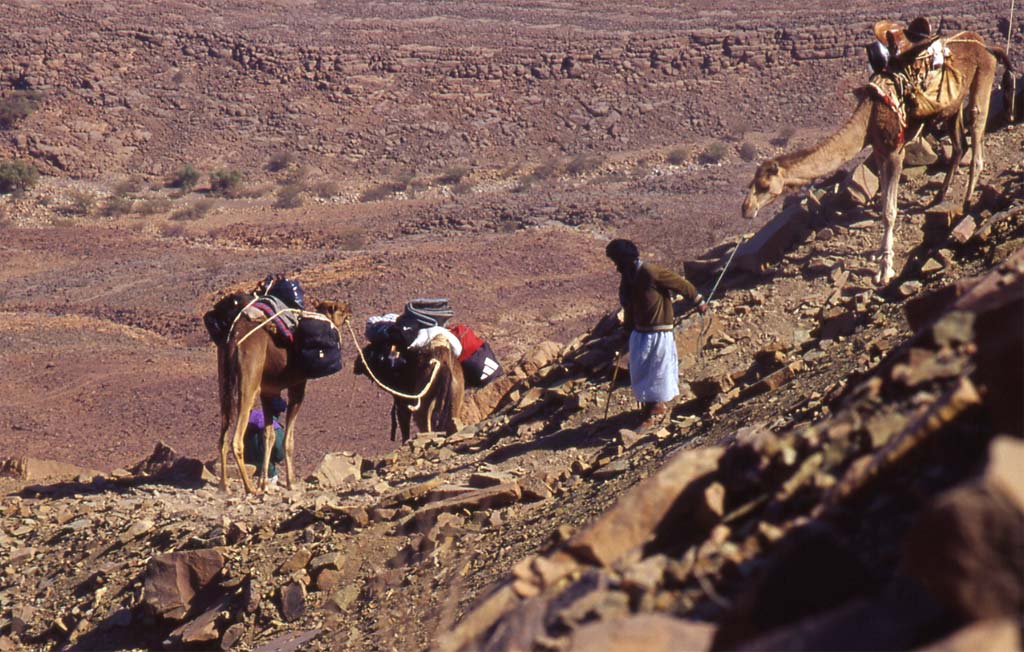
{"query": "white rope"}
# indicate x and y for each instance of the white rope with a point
(235, 320)
(408, 397)
(264, 323)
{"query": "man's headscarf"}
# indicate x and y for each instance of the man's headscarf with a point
(622, 252)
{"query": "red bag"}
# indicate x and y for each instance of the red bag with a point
(469, 340)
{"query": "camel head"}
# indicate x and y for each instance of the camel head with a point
(337, 311)
(766, 186)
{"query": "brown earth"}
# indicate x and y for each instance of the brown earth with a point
(495, 149)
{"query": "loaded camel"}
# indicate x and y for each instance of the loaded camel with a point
(428, 390)
(251, 364)
(879, 123)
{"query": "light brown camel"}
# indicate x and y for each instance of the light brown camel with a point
(255, 365)
(878, 124)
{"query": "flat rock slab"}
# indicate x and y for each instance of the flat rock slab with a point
(633, 520)
(490, 498)
(290, 642)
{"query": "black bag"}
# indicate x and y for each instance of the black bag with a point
(286, 290)
(317, 347)
(404, 330)
(482, 367)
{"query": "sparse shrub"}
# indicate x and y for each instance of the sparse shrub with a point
(401, 183)
(117, 205)
(545, 170)
(378, 193)
(153, 206)
(172, 230)
(16, 107)
(678, 156)
(785, 135)
(280, 161)
(453, 175)
(225, 181)
(462, 188)
(748, 151)
(296, 177)
(289, 197)
(510, 171)
(82, 203)
(584, 163)
(17, 176)
(185, 178)
(739, 127)
(351, 240)
(713, 153)
(194, 212)
(128, 187)
(253, 192)
(326, 189)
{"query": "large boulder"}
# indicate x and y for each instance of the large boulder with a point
(173, 580)
(966, 547)
(635, 518)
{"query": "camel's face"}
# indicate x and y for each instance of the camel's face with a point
(766, 186)
(336, 311)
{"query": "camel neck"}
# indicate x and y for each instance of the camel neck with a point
(803, 166)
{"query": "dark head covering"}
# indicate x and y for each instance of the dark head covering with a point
(622, 251)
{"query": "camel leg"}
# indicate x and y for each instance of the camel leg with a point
(295, 395)
(889, 168)
(268, 443)
(247, 399)
(225, 415)
(404, 417)
(955, 126)
(394, 419)
(979, 113)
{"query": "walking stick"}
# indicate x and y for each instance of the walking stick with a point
(611, 386)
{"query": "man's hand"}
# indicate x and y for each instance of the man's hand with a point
(702, 305)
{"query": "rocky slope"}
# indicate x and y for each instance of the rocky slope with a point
(830, 466)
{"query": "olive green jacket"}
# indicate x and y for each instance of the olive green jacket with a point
(646, 296)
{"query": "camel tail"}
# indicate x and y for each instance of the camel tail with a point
(229, 380)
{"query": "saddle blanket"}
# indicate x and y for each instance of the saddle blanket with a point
(267, 307)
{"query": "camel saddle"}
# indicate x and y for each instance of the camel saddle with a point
(283, 318)
(904, 40)
(918, 80)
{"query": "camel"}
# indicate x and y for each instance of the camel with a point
(251, 364)
(877, 123)
(433, 374)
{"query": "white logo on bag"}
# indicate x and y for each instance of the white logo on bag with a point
(490, 366)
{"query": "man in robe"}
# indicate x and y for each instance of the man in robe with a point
(645, 293)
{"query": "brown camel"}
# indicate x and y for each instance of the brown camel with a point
(438, 372)
(251, 364)
(965, 83)
(427, 385)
